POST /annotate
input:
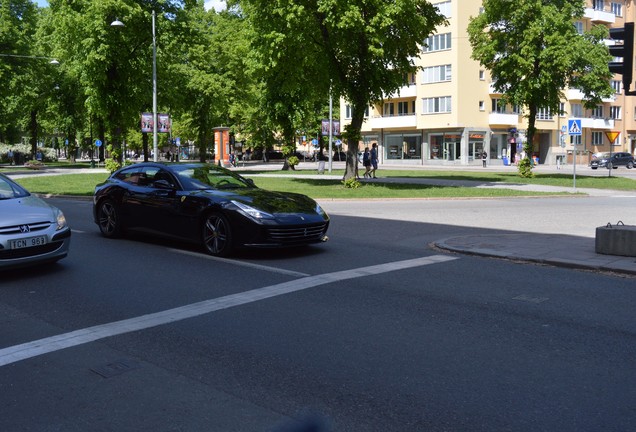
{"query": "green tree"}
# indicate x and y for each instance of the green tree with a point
(533, 52)
(361, 49)
(19, 65)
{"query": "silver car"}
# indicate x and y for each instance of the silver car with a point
(31, 231)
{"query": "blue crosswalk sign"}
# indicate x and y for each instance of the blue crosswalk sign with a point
(574, 126)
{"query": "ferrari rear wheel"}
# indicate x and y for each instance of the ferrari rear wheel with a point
(217, 235)
(109, 219)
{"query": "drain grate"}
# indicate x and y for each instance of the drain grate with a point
(115, 368)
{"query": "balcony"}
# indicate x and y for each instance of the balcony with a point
(597, 123)
(389, 122)
(407, 91)
(503, 119)
(598, 16)
(577, 95)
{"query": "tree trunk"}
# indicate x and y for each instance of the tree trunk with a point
(353, 138)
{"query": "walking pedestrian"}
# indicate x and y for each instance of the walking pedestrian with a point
(484, 157)
(366, 162)
(374, 160)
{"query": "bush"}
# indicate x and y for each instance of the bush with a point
(351, 183)
(525, 168)
(292, 161)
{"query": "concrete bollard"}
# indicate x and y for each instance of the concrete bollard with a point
(619, 239)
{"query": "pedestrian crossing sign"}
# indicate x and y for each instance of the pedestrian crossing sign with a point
(574, 126)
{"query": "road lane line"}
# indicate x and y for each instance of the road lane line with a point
(78, 337)
(241, 263)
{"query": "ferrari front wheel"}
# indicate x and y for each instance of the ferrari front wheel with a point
(217, 235)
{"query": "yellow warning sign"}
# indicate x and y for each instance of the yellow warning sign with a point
(612, 135)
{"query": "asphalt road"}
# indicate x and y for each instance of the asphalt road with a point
(372, 331)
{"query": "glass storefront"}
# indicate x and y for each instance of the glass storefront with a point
(403, 146)
(445, 146)
(476, 145)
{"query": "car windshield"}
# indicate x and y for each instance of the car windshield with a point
(209, 176)
(9, 189)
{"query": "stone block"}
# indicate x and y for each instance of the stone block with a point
(616, 240)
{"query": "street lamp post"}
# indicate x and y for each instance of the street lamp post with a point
(118, 23)
(154, 89)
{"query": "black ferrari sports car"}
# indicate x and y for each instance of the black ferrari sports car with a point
(205, 204)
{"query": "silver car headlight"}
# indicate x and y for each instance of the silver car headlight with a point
(60, 219)
(252, 212)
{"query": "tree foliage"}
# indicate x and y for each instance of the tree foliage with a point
(533, 52)
(360, 49)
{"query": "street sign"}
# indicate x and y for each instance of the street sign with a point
(178, 141)
(574, 126)
(612, 135)
(98, 143)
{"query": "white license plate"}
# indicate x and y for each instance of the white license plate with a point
(28, 242)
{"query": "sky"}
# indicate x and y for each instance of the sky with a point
(217, 5)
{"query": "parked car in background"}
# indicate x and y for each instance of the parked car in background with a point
(207, 205)
(612, 160)
(31, 230)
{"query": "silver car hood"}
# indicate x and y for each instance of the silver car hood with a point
(25, 210)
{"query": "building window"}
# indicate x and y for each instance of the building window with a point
(482, 106)
(615, 112)
(439, 42)
(598, 111)
(597, 138)
(436, 105)
(498, 106)
(403, 108)
(617, 86)
(561, 109)
(516, 109)
(389, 109)
(599, 5)
(436, 74)
(544, 114)
(617, 9)
(579, 26)
(576, 110)
(575, 139)
(349, 111)
(482, 75)
(444, 8)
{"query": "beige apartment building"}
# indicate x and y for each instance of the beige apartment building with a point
(449, 113)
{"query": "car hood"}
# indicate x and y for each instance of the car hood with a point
(270, 201)
(25, 210)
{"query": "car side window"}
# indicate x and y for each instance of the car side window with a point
(153, 175)
(130, 176)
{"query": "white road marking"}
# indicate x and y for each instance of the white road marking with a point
(54, 343)
(241, 263)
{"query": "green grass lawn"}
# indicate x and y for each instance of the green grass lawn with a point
(83, 185)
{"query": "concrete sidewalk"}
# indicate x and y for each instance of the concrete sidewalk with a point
(551, 249)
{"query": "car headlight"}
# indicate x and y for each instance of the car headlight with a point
(60, 219)
(320, 211)
(252, 212)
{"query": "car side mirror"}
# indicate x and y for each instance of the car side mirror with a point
(250, 182)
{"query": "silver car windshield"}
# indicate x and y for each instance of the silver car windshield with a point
(10, 190)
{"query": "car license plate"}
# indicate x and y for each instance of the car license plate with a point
(28, 242)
